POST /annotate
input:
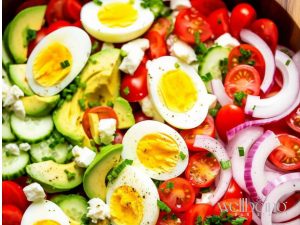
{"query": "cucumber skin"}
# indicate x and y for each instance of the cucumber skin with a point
(18, 174)
(12, 136)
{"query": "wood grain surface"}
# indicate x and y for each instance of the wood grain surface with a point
(293, 8)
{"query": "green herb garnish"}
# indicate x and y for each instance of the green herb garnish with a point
(157, 7)
(177, 65)
(163, 207)
(223, 66)
(81, 103)
(126, 90)
(288, 62)
(207, 77)
(205, 190)
(225, 164)
(182, 155)
(70, 175)
(98, 2)
(241, 151)
(64, 64)
(114, 173)
(238, 97)
(245, 55)
(31, 35)
(198, 220)
(170, 185)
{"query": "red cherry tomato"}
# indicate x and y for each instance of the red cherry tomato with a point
(55, 11)
(134, 87)
(205, 128)
(286, 157)
(56, 25)
(180, 197)
(170, 219)
(236, 207)
(162, 26)
(72, 9)
(188, 22)
(104, 112)
(233, 191)
(30, 3)
(242, 78)
(249, 55)
(267, 30)
(202, 169)
(140, 116)
(158, 45)
(197, 212)
(12, 194)
(228, 117)
(219, 22)
(205, 7)
(11, 215)
(293, 120)
(242, 16)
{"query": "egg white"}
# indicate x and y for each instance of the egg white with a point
(44, 210)
(136, 179)
(138, 131)
(185, 120)
(91, 23)
(77, 42)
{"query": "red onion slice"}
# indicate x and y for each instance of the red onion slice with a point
(294, 222)
(273, 198)
(296, 59)
(253, 39)
(213, 146)
(219, 91)
(257, 156)
(231, 133)
(244, 140)
(279, 103)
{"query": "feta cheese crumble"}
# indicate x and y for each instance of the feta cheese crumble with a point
(34, 192)
(83, 156)
(97, 210)
(107, 129)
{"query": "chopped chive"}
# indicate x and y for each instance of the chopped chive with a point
(238, 97)
(207, 77)
(81, 103)
(31, 35)
(182, 155)
(253, 108)
(177, 65)
(110, 104)
(126, 90)
(69, 98)
(64, 64)
(241, 151)
(114, 173)
(97, 2)
(163, 207)
(225, 164)
(205, 190)
(170, 185)
(123, 53)
(288, 62)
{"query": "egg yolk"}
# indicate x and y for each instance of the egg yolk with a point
(178, 91)
(52, 65)
(46, 222)
(126, 206)
(117, 14)
(158, 152)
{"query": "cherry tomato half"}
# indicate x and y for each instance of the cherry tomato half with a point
(202, 169)
(219, 22)
(11, 215)
(162, 26)
(205, 7)
(180, 197)
(158, 46)
(242, 78)
(235, 207)
(242, 16)
(228, 117)
(72, 9)
(249, 55)
(287, 156)
(197, 212)
(233, 191)
(293, 120)
(267, 30)
(188, 22)
(104, 112)
(55, 11)
(205, 128)
(12, 194)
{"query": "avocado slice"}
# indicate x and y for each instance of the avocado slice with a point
(53, 176)
(31, 18)
(124, 113)
(17, 73)
(6, 55)
(39, 106)
(94, 177)
(5, 77)
(94, 121)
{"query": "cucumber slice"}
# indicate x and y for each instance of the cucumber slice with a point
(75, 206)
(17, 73)
(31, 129)
(5, 77)
(7, 134)
(211, 62)
(13, 166)
(42, 152)
(58, 198)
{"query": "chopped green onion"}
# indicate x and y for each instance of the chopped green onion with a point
(31, 35)
(114, 173)
(177, 65)
(288, 62)
(225, 164)
(253, 107)
(123, 53)
(182, 155)
(69, 98)
(70, 175)
(238, 97)
(170, 185)
(97, 2)
(205, 190)
(110, 104)
(241, 151)
(163, 207)
(126, 90)
(199, 220)
(81, 103)
(238, 221)
(245, 55)
(251, 62)
(64, 64)
(207, 77)
(223, 66)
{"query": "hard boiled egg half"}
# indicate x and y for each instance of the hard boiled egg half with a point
(132, 199)
(57, 60)
(44, 213)
(156, 149)
(177, 92)
(116, 21)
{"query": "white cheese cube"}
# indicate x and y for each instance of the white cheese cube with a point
(19, 109)
(12, 149)
(97, 210)
(226, 40)
(12, 95)
(34, 192)
(24, 147)
(83, 156)
(140, 43)
(177, 4)
(107, 129)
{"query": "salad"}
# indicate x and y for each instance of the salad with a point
(144, 112)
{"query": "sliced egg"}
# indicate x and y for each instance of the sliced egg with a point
(156, 149)
(116, 20)
(178, 93)
(132, 199)
(57, 60)
(44, 213)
